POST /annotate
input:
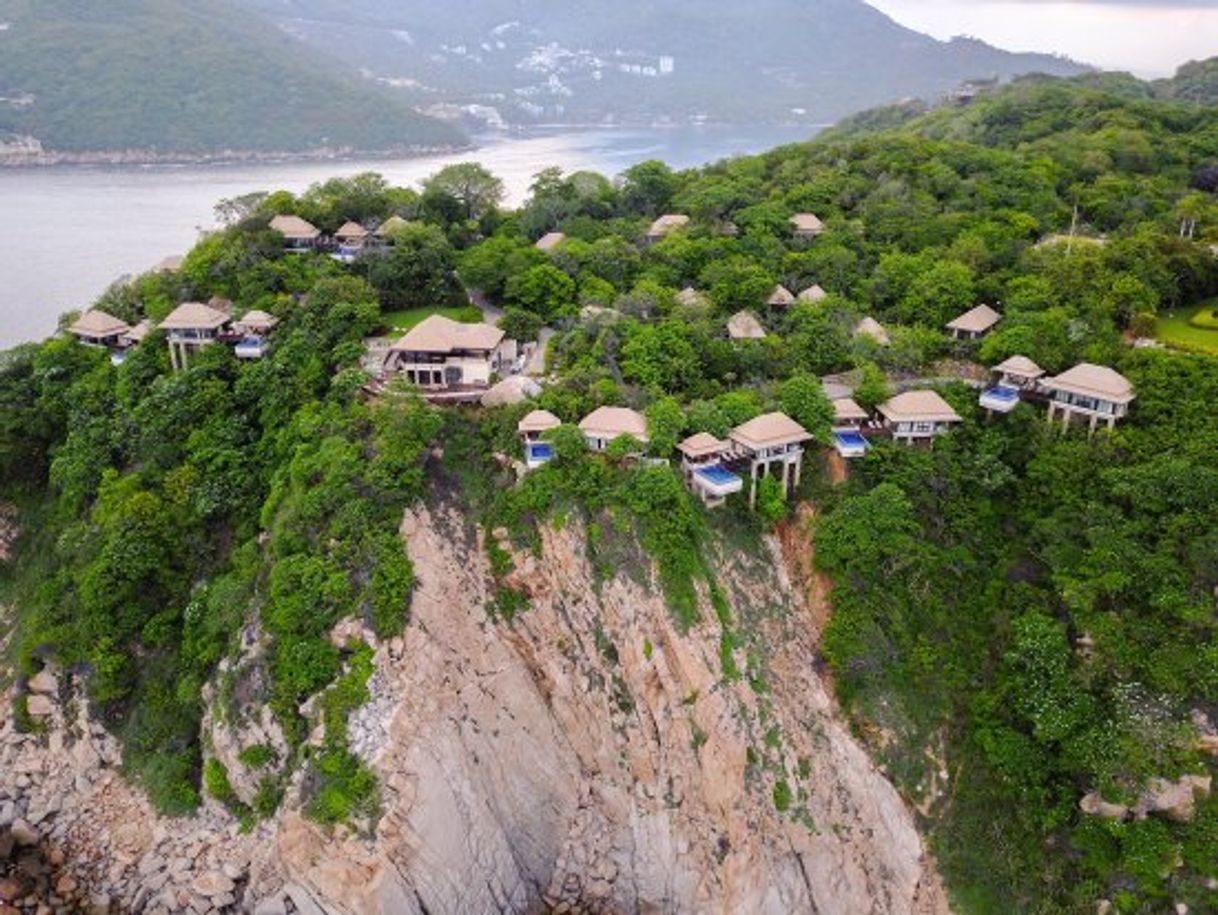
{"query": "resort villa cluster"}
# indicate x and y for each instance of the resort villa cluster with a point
(347, 243)
(452, 362)
(189, 327)
(774, 444)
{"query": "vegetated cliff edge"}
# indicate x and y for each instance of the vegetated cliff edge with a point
(587, 757)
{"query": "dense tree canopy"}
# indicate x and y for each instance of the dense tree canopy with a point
(1021, 617)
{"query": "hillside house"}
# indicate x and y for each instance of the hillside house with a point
(131, 338)
(781, 297)
(814, 293)
(806, 226)
(665, 226)
(351, 238)
(1016, 375)
(743, 325)
(298, 234)
(254, 326)
(255, 322)
(974, 323)
(532, 429)
(872, 329)
(550, 241)
(99, 328)
(772, 441)
(702, 457)
(190, 327)
(918, 416)
(848, 421)
(135, 335)
(440, 353)
(603, 425)
(1094, 393)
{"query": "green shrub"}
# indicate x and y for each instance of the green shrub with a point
(509, 603)
(257, 756)
(268, 797)
(23, 721)
(782, 796)
(342, 789)
(1205, 318)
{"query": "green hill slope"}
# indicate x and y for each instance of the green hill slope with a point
(167, 76)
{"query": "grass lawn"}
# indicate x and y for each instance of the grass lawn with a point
(1174, 329)
(404, 320)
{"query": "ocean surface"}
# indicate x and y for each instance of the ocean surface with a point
(66, 233)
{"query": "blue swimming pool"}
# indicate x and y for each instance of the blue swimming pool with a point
(540, 451)
(1003, 393)
(848, 439)
(717, 476)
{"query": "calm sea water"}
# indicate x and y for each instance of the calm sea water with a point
(67, 233)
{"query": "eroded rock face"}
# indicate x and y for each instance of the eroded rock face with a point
(591, 758)
(588, 757)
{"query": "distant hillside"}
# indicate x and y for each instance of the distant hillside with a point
(647, 60)
(184, 76)
(1196, 81)
(1115, 116)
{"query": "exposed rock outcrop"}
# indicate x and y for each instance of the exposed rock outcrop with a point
(1173, 800)
(589, 757)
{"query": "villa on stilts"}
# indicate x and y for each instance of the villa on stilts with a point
(1094, 393)
(771, 442)
(190, 327)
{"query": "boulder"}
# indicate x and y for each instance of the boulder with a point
(1176, 801)
(11, 889)
(24, 834)
(39, 706)
(66, 886)
(271, 905)
(44, 682)
(513, 390)
(1094, 805)
(347, 632)
(212, 883)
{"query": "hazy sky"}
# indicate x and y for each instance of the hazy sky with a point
(1151, 38)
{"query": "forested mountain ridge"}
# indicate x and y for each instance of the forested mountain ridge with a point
(1023, 619)
(1084, 107)
(166, 77)
(648, 61)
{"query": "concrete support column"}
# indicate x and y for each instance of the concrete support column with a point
(753, 485)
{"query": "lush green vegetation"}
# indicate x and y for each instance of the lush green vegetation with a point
(168, 76)
(1189, 329)
(402, 321)
(164, 511)
(1022, 617)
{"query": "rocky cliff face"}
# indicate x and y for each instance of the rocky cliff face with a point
(586, 758)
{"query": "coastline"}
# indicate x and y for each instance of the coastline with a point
(32, 156)
(43, 158)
